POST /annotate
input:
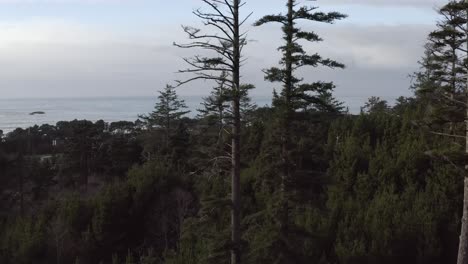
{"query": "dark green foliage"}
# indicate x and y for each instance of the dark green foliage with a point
(166, 127)
(373, 188)
(376, 105)
(167, 110)
(215, 106)
(268, 243)
(291, 155)
(24, 241)
(149, 204)
(442, 79)
(386, 193)
(298, 95)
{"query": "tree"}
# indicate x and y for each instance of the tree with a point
(445, 46)
(215, 107)
(83, 140)
(376, 105)
(217, 111)
(296, 95)
(166, 117)
(247, 107)
(226, 45)
(167, 111)
(444, 82)
(463, 243)
(444, 64)
(381, 178)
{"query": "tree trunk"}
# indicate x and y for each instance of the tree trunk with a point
(235, 217)
(463, 243)
(220, 142)
(285, 133)
(236, 130)
(21, 193)
(453, 83)
(168, 127)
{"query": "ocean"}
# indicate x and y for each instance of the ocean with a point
(15, 113)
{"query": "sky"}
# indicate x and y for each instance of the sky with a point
(88, 48)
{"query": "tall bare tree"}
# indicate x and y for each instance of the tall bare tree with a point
(224, 41)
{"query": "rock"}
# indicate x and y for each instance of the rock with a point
(37, 113)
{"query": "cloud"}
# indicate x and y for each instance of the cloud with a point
(61, 58)
(57, 58)
(383, 46)
(59, 1)
(45, 30)
(408, 3)
(379, 59)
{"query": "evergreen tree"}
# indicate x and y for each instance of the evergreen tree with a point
(374, 190)
(446, 47)
(168, 110)
(215, 105)
(247, 107)
(217, 111)
(296, 95)
(444, 69)
(166, 118)
(375, 104)
(444, 83)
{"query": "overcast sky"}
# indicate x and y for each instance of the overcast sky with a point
(85, 48)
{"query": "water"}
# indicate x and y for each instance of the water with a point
(15, 113)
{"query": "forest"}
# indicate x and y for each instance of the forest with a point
(300, 181)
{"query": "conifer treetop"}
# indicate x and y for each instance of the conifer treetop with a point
(300, 95)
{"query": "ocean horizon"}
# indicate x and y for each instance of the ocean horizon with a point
(15, 112)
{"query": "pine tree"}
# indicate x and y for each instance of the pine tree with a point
(215, 106)
(168, 110)
(446, 45)
(376, 105)
(443, 81)
(444, 66)
(296, 95)
(217, 112)
(247, 107)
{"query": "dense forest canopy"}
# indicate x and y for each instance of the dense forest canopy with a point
(300, 181)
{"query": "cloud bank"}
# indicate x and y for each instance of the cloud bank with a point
(60, 57)
(60, 1)
(54, 58)
(409, 3)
